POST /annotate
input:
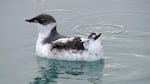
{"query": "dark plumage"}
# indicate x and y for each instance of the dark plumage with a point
(43, 19)
(76, 44)
(94, 36)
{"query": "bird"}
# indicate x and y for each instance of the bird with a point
(51, 44)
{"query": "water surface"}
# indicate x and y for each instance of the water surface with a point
(126, 36)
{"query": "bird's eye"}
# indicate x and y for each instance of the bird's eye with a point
(42, 21)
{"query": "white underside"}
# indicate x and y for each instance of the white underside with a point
(94, 51)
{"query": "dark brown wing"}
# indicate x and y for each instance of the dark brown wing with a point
(76, 44)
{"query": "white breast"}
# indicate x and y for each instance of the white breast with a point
(94, 51)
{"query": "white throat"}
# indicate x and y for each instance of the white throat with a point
(44, 30)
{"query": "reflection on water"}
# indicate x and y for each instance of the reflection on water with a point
(51, 71)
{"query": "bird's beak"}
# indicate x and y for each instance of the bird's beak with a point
(29, 20)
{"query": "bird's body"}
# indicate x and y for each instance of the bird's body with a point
(53, 45)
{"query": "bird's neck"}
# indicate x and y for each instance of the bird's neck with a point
(45, 32)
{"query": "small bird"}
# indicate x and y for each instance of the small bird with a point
(53, 45)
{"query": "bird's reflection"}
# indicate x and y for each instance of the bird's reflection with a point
(51, 71)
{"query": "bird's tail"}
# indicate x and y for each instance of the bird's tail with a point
(94, 36)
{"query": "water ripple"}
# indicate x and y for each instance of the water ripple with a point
(105, 29)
